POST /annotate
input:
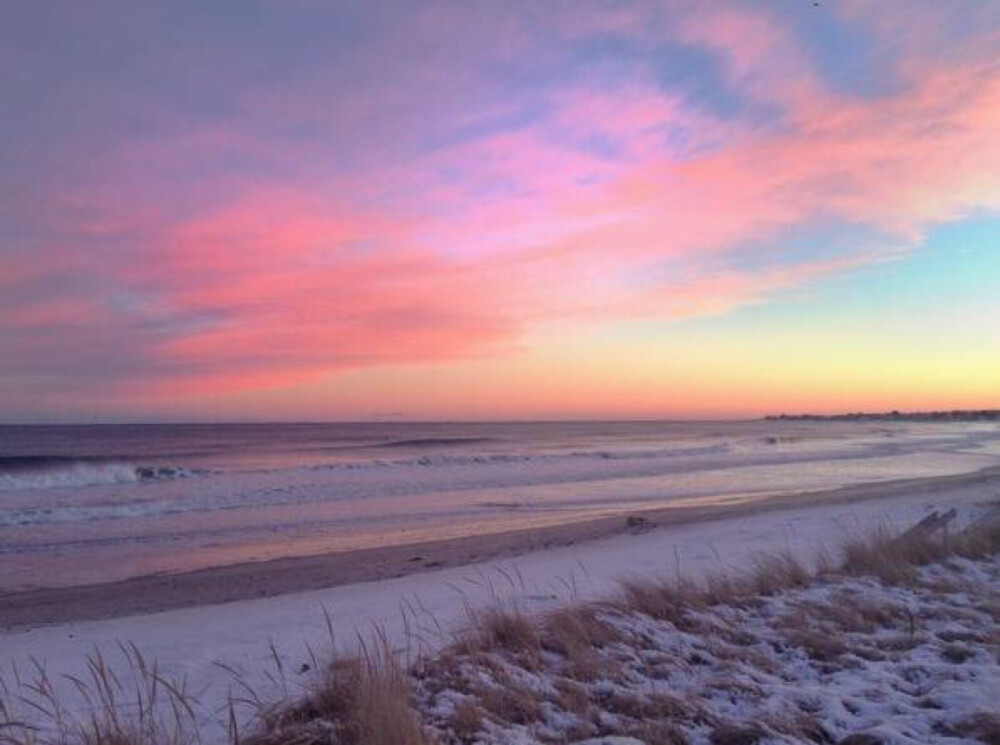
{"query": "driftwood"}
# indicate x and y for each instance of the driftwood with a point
(638, 524)
(930, 525)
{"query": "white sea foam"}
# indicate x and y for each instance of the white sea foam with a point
(83, 473)
(90, 513)
(69, 474)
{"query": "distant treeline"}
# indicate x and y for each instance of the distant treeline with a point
(982, 415)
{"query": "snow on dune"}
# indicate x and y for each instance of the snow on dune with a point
(890, 665)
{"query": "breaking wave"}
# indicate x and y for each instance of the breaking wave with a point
(47, 471)
(501, 458)
(43, 471)
(426, 442)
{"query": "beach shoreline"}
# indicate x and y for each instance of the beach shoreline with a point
(156, 593)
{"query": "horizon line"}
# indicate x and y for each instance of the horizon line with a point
(513, 420)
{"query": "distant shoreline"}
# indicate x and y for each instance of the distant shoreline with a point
(957, 415)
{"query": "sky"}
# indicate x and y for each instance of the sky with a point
(308, 210)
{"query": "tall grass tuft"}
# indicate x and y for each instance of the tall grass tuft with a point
(362, 700)
(894, 558)
(130, 703)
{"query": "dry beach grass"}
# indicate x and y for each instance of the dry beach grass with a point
(124, 702)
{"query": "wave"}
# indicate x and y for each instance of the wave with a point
(446, 459)
(89, 513)
(53, 471)
(46, 471)
(416, 443)
(780, 439)
(435, 441)
(64, 472)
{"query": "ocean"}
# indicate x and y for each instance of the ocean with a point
(92, 504)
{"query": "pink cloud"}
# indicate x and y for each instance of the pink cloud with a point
(616, 202)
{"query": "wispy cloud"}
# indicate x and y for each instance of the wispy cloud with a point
(194, 202)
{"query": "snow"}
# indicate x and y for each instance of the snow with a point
(420, 611)
(901, 683)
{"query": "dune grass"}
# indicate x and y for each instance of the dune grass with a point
(363, 699)
(370, 698)
(124, 702)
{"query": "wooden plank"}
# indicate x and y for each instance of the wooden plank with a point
(930, 525)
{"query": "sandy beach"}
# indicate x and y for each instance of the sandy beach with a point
(417, 606)
(161, 592)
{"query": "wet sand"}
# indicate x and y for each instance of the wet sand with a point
(224, 584)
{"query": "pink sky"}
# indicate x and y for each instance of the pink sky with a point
(441, 210)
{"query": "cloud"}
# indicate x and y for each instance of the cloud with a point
(434, 185)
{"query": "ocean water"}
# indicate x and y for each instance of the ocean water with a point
(88, 504)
